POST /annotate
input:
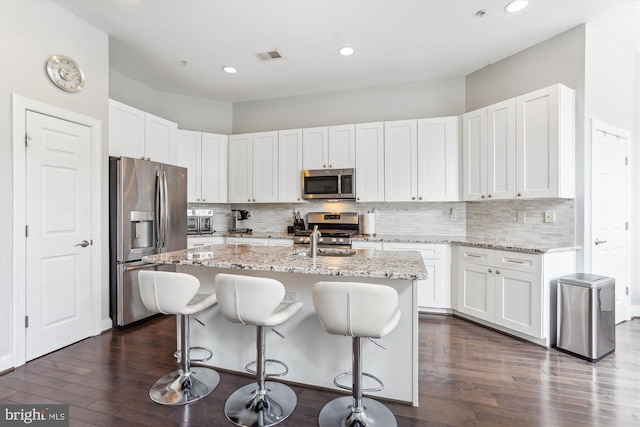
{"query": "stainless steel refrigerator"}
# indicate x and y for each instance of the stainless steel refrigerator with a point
(147, 216)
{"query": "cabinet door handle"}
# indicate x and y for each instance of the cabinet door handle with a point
(519, 194)
(513, 261)
(490, 271)
(599, 242)
(497, 271)
(473, 255)
(489, 196)
(482, 197)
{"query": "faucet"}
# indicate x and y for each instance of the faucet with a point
(313, 241)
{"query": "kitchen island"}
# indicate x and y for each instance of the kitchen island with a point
(314, 357)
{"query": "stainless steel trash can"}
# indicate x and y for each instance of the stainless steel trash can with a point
(586, 315)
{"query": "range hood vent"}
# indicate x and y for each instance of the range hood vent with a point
(268, 56)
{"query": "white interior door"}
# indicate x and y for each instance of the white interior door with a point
(58, 266)
(609, 213)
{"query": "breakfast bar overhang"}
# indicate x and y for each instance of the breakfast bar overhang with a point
(313, 356)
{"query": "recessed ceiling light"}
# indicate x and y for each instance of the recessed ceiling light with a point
(229, 69)
(515, 6)
(346, 51)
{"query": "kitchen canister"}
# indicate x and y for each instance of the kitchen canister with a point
(368, 221)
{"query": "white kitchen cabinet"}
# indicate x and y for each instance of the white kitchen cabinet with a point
(205, 157)
(256, 241)
(253, 168)
(400, 161)
(126, 130)
(512, 291)
(434, 293)
(198, 241)
(280, 242)
(494, 287)
(438, 159)
(160, 139)
(370, 162)
(545, 143)
(290, 165)
(422, 160)
(489, 152)
(259, 241)
(364, 244)
(523, 147)
(331, 147)
(135, 133)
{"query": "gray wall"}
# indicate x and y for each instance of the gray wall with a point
(432, 98)
(30, 32)
(189, 112)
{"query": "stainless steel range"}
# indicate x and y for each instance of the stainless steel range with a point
(337, 228)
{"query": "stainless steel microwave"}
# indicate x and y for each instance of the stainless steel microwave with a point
(328, 184)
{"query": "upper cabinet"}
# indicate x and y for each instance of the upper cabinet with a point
(489, 152)
(438, 159)
(421, 160)
(331, 147)
(253, 167)
(521, 148)
(205, 157)
(370, 162)
(134, 133)
(290, 165)
(545, 143)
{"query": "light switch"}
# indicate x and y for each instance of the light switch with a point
(521, 216)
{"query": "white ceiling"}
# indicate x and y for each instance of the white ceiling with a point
(396, 41)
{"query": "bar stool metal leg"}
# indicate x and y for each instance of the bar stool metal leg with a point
(356, 410)
(187, 384)
(263, 403)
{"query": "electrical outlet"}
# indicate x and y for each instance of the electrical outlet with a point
(289, 297)
(522, 217)
(549, 216)
(453, 216)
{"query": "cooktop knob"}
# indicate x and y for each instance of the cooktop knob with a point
(341, 240)
(334, 240)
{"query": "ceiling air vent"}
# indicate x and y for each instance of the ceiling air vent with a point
(268, 56)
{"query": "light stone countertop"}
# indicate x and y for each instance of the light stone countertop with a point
(403, 265)
(536, 247)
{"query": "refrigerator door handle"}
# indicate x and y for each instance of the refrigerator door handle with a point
(160, 223)
(165, 209)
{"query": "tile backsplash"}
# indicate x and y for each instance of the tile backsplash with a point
(492, 220)
(498, 220)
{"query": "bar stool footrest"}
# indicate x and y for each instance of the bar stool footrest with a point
(275, 361)
(178, 354)
(364, 374)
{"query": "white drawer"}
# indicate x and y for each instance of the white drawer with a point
(519, 261)
(363, 244)
(427, 250)
(475, 255)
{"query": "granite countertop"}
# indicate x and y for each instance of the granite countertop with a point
(528, 247)
(403, 265)
(536, 247)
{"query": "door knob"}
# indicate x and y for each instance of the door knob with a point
(599, 242)
(84, 244)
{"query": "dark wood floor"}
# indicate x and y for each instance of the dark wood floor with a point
(469, 376)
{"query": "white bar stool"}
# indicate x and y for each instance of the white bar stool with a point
(176, 293)
(257, 301)
(359, 310)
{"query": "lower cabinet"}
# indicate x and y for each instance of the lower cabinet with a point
(434, 293)
(259, 241)
(512, 290)
(194, 242)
